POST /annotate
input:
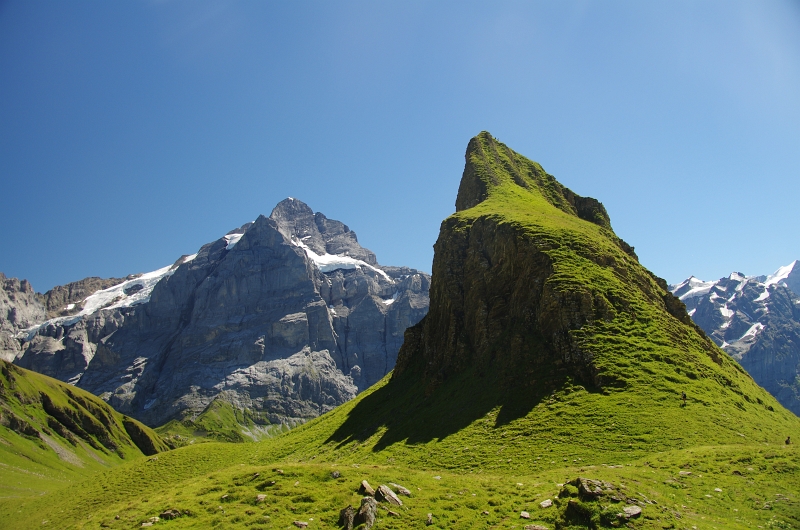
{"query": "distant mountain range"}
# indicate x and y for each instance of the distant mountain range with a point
(756, 319)
(287, 316)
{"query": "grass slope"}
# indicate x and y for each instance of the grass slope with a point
(221, 421)
(53, 435)
(478, 447)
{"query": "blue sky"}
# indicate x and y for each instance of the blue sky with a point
(134, 132)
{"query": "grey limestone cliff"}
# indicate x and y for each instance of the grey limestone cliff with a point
(20, 308)
(287, 316)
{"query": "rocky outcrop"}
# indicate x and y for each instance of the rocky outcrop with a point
(493, 301)
(756, 320)
(288, 316)
(20, 308)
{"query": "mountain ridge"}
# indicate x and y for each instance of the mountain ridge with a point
(756, 320)
(286, 315)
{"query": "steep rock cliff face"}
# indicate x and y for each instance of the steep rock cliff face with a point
(287, 316)
(20, 308)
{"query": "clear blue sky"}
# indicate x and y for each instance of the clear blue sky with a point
(134, 132)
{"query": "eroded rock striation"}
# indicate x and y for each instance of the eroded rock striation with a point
(287, 316)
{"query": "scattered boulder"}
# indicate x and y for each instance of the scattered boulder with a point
(400, 489)
(524, 515)
(582, 499)
(366, 488)
(546, 503)
(336, 474)
(170, 514)
(429, 521)
(367, 513)
(385, 494)
(300, 524)
(535, 527)
(347, 517)
(261, 497)
(631, 511)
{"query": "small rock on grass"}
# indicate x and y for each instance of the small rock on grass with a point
(429, 521)
(300, 524)
(261, 497)
(535, 527)
(546, 503)
(346, 517)
(367, 513)
(524, 515)
(170, 514)
(400, 489)
(366, 488)
(385, 493)
(632, 511)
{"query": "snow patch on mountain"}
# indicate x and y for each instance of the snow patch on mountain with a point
(781, 274)
(331, 262)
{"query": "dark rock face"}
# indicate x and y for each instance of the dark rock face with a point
(20, 308)
(756, 320)
(287, 316)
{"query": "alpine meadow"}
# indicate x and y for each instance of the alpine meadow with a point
(554, 383)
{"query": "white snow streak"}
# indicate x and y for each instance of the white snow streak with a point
(780, 274)
(231, 240)
(330, 262)
(696, 288)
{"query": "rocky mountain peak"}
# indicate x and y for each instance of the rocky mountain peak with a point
(756, 320)
(286, 315)
(297, 221)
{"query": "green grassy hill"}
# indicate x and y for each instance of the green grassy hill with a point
(53, 434)
(221, 421)
(549, 354)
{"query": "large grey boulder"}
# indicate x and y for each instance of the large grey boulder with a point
(287, 316)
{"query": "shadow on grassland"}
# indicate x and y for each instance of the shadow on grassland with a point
(407, 414)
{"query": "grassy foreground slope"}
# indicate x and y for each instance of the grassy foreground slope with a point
(53, 435)
(549, 354)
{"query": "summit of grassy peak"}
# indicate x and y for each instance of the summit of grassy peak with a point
(491, 167)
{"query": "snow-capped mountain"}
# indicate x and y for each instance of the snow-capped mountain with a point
(756, 319)
(287, 316)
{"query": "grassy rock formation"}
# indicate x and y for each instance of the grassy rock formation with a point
(50, 429)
